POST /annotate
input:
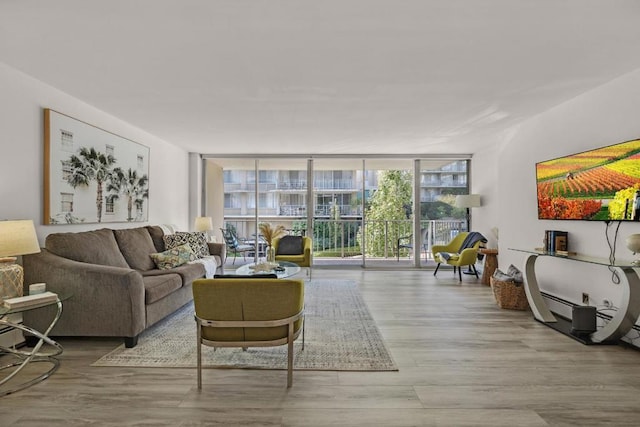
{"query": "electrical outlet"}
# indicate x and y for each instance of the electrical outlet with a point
(585, 298)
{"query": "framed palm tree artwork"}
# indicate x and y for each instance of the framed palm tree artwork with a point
(92, 175)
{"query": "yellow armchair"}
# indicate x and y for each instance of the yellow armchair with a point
(248, 312)
(453, 254)
(303, 259)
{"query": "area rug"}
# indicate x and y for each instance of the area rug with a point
(340, 335)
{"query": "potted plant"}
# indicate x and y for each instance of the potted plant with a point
(269, 233)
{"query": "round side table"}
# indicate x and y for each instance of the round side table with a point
(490, 264)
(35, 355)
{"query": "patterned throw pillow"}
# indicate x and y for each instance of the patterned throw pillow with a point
(197, 240)
(174, 257)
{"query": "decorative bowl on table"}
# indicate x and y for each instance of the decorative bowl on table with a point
(264, 267)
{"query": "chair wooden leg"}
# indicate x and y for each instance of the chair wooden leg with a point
(437, 267)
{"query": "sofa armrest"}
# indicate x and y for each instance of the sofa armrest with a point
(106, 301)
(219, 249)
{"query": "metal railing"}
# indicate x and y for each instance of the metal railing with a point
(342, 238)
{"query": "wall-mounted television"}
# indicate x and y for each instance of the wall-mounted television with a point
(595, 185)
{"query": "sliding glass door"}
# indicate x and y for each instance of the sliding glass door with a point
(373, 212)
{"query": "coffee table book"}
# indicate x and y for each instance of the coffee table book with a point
(29, 300)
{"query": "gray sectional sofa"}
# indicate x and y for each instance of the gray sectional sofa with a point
(116, 289)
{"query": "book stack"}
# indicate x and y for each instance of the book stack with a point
(30, 300)
(556, 241)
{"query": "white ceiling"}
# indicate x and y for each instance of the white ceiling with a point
(322, 76)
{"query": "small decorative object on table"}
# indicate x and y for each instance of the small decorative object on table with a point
(270, 233)
(633, 244)
(30, 300)
(508, 289)
(264, 267)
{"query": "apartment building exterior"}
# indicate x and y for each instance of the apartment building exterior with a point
(336, 193)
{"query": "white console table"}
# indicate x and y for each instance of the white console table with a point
(626, 316)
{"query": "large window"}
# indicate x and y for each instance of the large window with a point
(344, 205)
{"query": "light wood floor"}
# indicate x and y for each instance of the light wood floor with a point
(462, 360)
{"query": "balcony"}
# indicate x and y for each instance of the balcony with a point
(338, 241)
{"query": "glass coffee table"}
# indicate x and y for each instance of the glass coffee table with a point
(281, 268)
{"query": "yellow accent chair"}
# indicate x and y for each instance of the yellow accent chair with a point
(248, 312)
(456, 257)
(302, 257)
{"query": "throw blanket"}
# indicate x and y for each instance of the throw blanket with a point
(469, 241)
(210, 265)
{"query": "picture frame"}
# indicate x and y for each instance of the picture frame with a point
(92, 175)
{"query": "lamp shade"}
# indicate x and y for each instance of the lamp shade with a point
(18, 238)
(633, 243)
(203, 223)
(468, 201)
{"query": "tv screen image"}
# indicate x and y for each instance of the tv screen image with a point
(598, 185)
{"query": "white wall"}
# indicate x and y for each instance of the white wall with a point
(604, 116)
(215, 197)
(21, 156)
(484, 176)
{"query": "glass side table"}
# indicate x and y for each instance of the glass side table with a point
(23, 358)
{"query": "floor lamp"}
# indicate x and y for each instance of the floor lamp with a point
(468, 201)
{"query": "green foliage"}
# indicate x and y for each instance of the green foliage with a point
(332, 235)
(441, 209)
(390, 208)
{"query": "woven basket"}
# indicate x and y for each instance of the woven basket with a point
(509, 296)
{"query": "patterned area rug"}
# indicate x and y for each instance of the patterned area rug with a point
(340, 335)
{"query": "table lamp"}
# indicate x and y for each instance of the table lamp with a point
(633, 244)
(16, 238)
(204, 223)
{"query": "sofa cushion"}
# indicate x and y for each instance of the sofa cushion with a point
(93, 247)
(290, 245)
(197, 240)
(174, 257)
(156, 234)
(136, 246)
(187, 272)
(159, 286)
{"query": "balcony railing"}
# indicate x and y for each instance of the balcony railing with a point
(341, 238)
